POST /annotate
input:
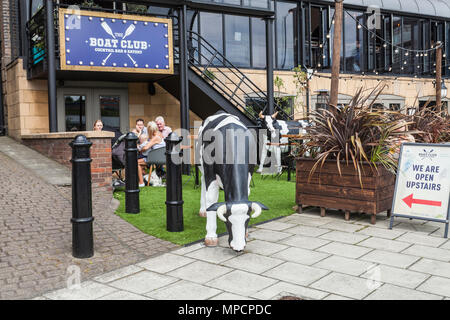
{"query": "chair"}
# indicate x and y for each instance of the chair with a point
(155, 157)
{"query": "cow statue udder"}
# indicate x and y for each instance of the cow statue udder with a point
(228, 167)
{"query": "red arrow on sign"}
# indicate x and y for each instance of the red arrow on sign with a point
(409, 200)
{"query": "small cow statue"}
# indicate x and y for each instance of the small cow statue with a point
(279, 145)
(227, 167)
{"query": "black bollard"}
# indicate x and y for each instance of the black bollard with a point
(131, 174)
(174, 197)
(82, 232)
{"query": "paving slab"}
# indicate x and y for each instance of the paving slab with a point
(381, 232)
(385, 244)
(165, 263)
(433, 267)
(336, 297)
(307, 231)
(212, 254)
(253, 263)
(310, 221)
(436, 285)
(143, 282)
(446, 245)
(344, 285)
(414, 227)
(183, 290)
(296, 273)
(391, 292)
(200, 272)
(117, 274)
(345, 237)
(344, 265)
(390, 258)
(275, 226)
(264, 248)
(299, 255)
(229, 296)
(304, 242)
(268, 235)
(396, 276)
(241, 283)
(428, 252)
(88, 290)
(422, 239)
(343, 226)
(345, 250)
(124, 295)
(281, 287)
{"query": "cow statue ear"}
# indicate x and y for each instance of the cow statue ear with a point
(261, 115)
(274, 116)
(261, 205)
(215, 206)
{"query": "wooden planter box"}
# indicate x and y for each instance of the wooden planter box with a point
(329, 190)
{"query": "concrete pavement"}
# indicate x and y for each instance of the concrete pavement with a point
(305, 255)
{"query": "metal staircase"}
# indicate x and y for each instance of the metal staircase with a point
(216, 84)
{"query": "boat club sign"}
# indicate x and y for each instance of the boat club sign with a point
(97, 41)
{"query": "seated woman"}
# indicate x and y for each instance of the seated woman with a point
(155, 141)
(98, 125)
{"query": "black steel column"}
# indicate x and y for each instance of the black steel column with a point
(51, 65)
(2, 106)
(131, 174)
(269, 67)
(184, 78)
(174, 191)
(82, 232)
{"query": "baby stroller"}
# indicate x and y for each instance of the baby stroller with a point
(118, 157)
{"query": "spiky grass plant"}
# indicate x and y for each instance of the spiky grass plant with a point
(354, 134)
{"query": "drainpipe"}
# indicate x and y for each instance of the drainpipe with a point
(51, 67)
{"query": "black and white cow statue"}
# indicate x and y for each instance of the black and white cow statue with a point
(224, 149)
(277, 128)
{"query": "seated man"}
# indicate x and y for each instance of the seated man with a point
(140, 127)
(165, 130)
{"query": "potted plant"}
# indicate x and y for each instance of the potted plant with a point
(348, 161)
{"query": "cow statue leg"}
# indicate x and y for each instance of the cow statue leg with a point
(211, 196)
(202, 212)
(278, 159)
(264, 151)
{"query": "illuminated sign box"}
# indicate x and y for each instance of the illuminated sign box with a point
(97, 41)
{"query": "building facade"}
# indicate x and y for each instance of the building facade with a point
(229, 64)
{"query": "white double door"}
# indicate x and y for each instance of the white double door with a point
(79, 108)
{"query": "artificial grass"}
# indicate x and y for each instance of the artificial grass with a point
(277, 194)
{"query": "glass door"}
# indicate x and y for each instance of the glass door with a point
(111, 106)
(79, 108)
(74, 113)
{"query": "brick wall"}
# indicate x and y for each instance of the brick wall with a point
(59, 150)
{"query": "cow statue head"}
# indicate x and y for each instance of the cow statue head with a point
(236, 216)
(267, 122)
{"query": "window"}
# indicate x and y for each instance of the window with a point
(75, 112)
(211, 29)
(237, 40)
(285, 35)
(258, 43)
(353, 47)
(36, 5)
(397, 41)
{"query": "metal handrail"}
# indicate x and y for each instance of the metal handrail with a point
(256, 92)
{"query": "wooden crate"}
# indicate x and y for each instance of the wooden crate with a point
(329, 190)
